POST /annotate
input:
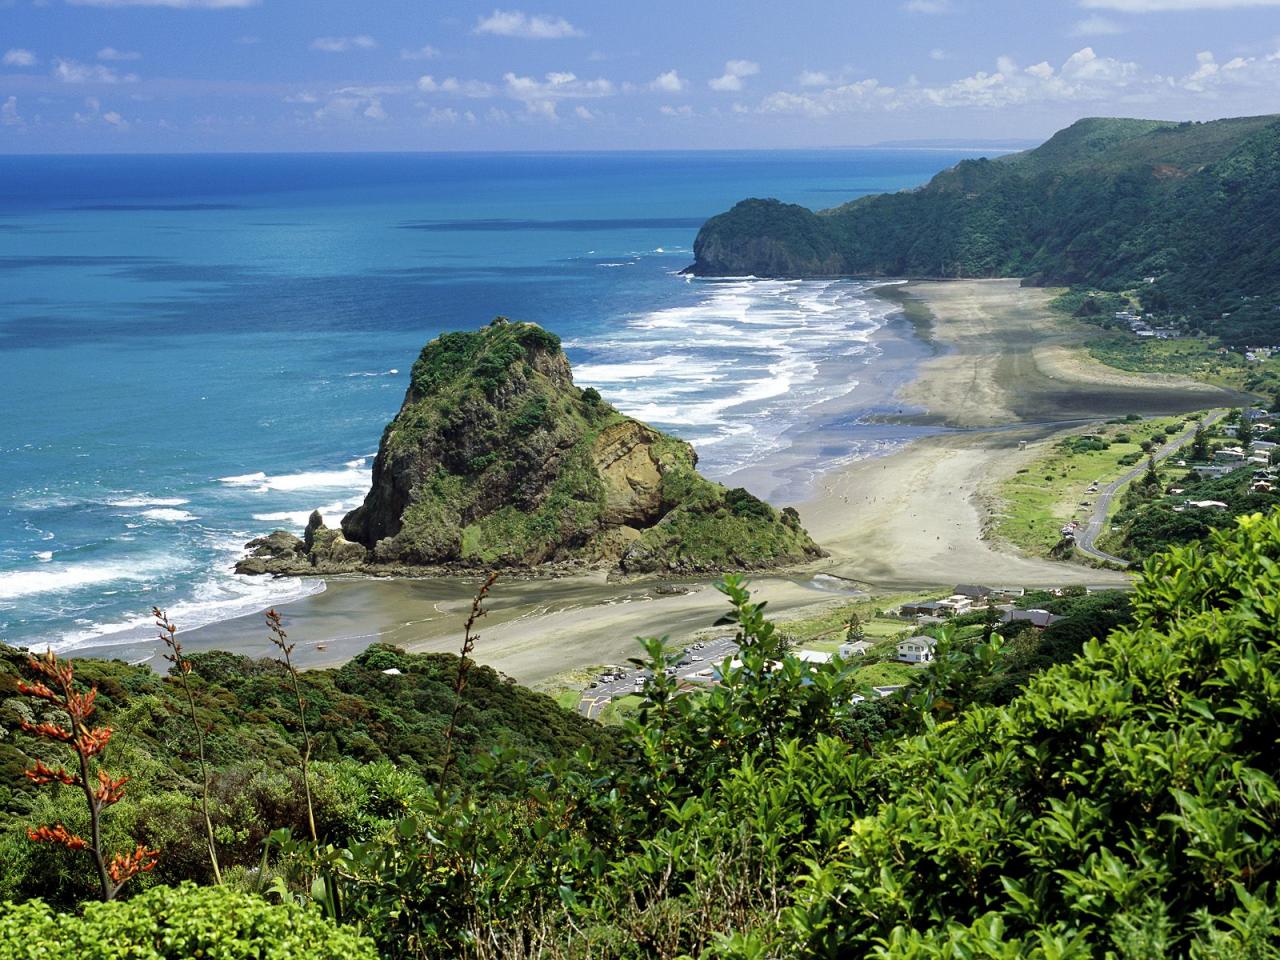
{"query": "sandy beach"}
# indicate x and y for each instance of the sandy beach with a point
(970, 370)
(1006, 371)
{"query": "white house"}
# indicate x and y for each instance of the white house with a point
(857, 648)
(955, 605)
(812, 656)
(916, 649)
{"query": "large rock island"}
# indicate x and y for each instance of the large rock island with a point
(497, 460)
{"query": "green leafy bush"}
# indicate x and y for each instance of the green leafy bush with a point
(178, 923)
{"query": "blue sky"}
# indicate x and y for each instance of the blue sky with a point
(200, 75)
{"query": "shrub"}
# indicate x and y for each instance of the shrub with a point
(178, 923)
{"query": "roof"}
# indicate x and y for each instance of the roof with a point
(973, 590)
(812, 656)
(925, 641)
(1037, 618)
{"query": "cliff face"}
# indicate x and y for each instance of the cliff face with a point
(496, 459)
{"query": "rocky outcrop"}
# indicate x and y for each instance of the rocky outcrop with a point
(496, 459)
(320, 550)
(767, 238)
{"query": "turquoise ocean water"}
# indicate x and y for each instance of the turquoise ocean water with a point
(196, 350)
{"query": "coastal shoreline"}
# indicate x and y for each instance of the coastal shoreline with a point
(1007, 375)
(988, 369)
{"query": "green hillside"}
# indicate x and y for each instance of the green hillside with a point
(1106, 203)
(1121, 802)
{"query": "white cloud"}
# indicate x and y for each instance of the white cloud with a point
(669, 82)
(1161, 6)
(422, 53)
(343, 44)
(111, 53)
(683, 112)
(351, 104)
(516, 23)
(9, 116)
(115, 120)
(176, 4)
(248, 40)
(71, 71)
(734, 73)
(556, 86)
(301, 97)
(927, 6)
(582, 113)
(475, 89)
(822, 103)
(815, 78)
(1096, 26)
(17, 57)
(937, 53)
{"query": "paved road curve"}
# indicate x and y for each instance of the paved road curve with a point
(1087, 538)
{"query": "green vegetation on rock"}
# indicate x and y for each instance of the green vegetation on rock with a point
(1105, 203)
(497, 459)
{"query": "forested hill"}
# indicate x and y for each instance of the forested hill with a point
(1105, 203)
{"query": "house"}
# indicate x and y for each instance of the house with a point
(1263, 445)
(883, 692)
(1209, 470)
(1228, 455)
(1261, 486)
(1037, 618)
(972, 591)
(916, 649)
(858, 648)
(812, 656)
(1207, 504)
(955, 605)
(392, 672)
(921, 609)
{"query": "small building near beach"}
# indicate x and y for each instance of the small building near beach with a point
(857, 648)
(916, 649)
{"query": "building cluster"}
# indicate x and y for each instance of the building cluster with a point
(1141, 328)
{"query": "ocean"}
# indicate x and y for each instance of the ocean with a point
(199, 349)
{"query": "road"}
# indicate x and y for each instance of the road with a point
(1087, 539)
(698, 657)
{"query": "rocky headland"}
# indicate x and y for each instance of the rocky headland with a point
(497, 460)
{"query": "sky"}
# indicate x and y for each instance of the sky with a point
(169, 76)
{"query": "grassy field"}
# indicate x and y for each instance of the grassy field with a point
(1040, 498)
(1198, 359)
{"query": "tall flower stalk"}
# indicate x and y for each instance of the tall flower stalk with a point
(279, 639)
(55, 685)
(469, 638)
(182, 671)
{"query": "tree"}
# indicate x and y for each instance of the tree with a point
(1151, 478)
(853, 630)
(1200, 444)
(1244, 434)
(56, 686)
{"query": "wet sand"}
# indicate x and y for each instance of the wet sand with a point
(1007, 371)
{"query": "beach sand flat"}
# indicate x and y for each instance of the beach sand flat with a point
(1006, 371)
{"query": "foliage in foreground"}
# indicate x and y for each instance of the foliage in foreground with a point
(1124, 804)
(178, 923)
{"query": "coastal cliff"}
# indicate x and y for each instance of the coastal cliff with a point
(1183, 212)
(496, 459)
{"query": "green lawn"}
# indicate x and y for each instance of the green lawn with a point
(1040, 498)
